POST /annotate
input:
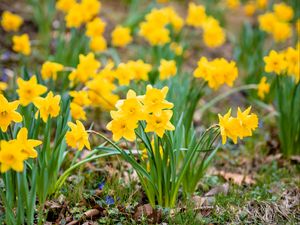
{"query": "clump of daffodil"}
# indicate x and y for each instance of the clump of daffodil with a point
(261, 4)
(78, 13)
(95, 30)
(263, 88)
(8, 113)
(240, 126)
(285, 62)
(21, 44)
(154, 28)
(77, 137)
(216, 72)
(23, 148)
(277, 23)
(11, 21)
(167, 69)
(121, 36)
(152, 108)
(48, 106)
(50, 70)
(86, 69)
(29, 90)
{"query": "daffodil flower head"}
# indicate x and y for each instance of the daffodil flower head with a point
(78, 137)
(154, 100)
(159, 123)
(29, 90)
(8, 113)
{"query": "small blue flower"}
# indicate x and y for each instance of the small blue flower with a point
(109, 200)
(101, 185)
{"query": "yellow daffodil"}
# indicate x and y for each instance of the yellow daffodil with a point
(8, 113)
(74, 17)
(248, 122)
(281, 31)
(159, 123)
(65, 5)
(283, 11)
(250, 9)
(140, 69)
(121, 36)
(167, 69)
(80, 97)
(124, 74)
(196, 15)
(21, 44)
(261, 4)
(50, 70)
(78, 137)
(95, 28)
(233, 4)
(275, 62)
(29, 90)
(229, 127)
(263, 88)
(11, 21)
(11, 156)
(267, 21)
(98, 44)
(27, 145)
(122, 128)
(213, 35)
(48, 106)
(90, 8)
(154, 100)
(77, 111)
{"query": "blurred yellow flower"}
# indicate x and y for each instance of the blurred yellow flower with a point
(275, 62)
(263, 88)
(80, 97)
(98, 44)
(261, 4)
(90, 8)
(95, 28)
(65, 5)
(196, 15)
(74, 17)
(121, 36)
(250, 9)
(176, 48)
(78, 137)
(48, 106)
(267, 21)
(167, 69)
(50, 70)
(3, 86)
(140, 69)
(292, 57)
(11, 21)
(281, 31)
(77, 111)
(21, 44)
(8, 113)
(283, 11)
(29, 90)
(233, 4)
(124, 74)
(213, 34)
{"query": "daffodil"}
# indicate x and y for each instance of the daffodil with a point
(95, 28)
(77, 111)
(29, 90)
(3, 86)
(167, 69)
(11, 156)
(229, 127)
(65, 5)
(8, 113)
(121, 36)
(140, 69)
(27, 145)
(122, 128)
(48, 106)
(263, 88)
(98, 44)
(159, 123)
(275, 62)
(154, 100)
(124, 74)
(248, 122)
(283, 11)
(11, 21)
(80, 98)
(78, 137)
(21, 44)
(50, 70)
(196, 15)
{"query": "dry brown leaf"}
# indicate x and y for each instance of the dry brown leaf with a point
(92, 213)
(236, 177)
(224, 188)
(149, 212)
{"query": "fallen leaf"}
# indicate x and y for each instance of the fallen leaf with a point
(147, 210)
(92, 213)
(236, 177)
